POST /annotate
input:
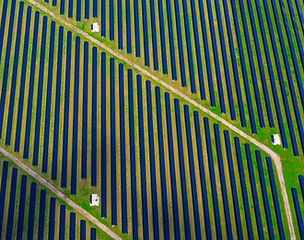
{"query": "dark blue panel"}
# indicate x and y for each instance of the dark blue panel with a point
(41, 215)
(206, 50)
(48, 101)
(128, 22)
(21, 207)
(137, 33)
(152, 161)
(31, 217)
(66, 112)
(3, 191)
(298, 211)
(113, 143)
(82, 230)
(301, 179)
(78, 10)
(22, 80)
(192, 174)
(145, 30)
(254, 192)
(11, 209)
(62, 222)
(7, 63)
(172, 168)
(161, 161)
(87, 9)
(72, 225)
(171, 39)
(62, 7)
(154, 36)
(265, 197)
(142, 159)
(52, 218)
(299, 9)
(75, 119)
(244, 188)
(14, 77)
(213, 180)
(223, 180)
(180, 43)
(57, 104)
(39, 98)
(70, 9)
(119, 24)
(94, 8)
(132, 155)
(202, 175)
(31, 88)
(275, 198)
(3, 24)
(93, 233)
(103, 137)
(162, 36)
(111, 19)
(124, 214)
(94, 119)
(103, 18)
(85, 111)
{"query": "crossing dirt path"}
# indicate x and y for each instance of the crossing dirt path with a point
(60, 195)
(274, 156)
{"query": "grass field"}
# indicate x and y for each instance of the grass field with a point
(90, 123)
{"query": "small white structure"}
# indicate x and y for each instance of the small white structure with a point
(95, 27)
(276, 140)
(94, 200)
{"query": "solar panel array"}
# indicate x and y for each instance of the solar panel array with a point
(90, 123)
(244, 62)
(29, 211)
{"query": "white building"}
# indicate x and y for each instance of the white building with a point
(94, 200)
(276, 140)
(95, 27)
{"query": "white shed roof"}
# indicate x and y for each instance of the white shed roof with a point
(276, 140)
(94, 200)
(95, 27)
